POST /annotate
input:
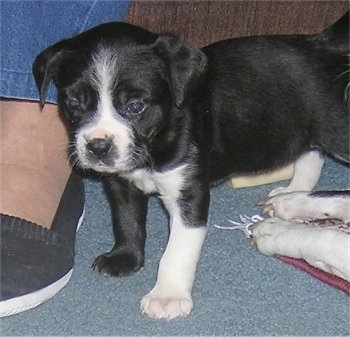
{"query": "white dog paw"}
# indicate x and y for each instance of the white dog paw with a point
(287, 206)
(273, 193)
(269, 227)
(166, 307)
(277, 191)
(266, 235)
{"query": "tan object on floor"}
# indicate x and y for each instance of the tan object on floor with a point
(283, 173)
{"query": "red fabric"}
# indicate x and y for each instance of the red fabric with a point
(319, 274)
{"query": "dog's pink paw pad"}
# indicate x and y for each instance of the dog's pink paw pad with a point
(166, 308)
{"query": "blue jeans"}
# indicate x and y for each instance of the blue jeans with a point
(28, 27)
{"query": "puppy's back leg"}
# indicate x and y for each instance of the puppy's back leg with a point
(310, 205)
(307, 171)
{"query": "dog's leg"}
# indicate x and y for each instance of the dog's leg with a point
(306, 205)
(307, 171)
(322, 247)
(129, 209)
(171, 296)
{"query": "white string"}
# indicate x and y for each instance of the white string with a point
(244, 225)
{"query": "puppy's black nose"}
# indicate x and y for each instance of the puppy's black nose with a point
(99, 147)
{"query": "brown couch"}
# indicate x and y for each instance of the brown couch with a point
(202, 22)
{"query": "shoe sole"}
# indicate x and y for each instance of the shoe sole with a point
(29, 301)
(19, 304)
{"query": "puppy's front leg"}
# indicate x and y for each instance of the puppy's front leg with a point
(129, 210)
(171, 296)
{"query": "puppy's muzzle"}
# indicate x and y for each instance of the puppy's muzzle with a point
(99, 147)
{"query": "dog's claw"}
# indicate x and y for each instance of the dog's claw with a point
(263, 201)
(269, 210)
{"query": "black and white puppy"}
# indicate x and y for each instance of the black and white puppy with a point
(156, 116)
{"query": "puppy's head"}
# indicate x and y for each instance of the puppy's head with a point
(120, 90)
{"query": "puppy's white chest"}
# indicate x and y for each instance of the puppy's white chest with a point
(144, 181)
(167, 184)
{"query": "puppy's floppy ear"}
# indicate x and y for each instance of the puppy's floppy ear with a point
(46, 66)
(186, 65)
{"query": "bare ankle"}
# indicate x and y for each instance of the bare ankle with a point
(33, 158)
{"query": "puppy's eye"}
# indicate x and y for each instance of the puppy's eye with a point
(73, 104)
(74, 109)
(136, 107)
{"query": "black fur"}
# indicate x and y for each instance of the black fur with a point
(331, 194)
(239, 106)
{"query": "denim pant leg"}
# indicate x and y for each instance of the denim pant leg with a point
(28, 27)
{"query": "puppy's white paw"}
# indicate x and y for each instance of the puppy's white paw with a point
(322, 247)
(278, 190)
(273, 193)
(269, 234)
(288, 206)
(161, 306)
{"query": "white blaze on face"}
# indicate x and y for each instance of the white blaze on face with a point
(106, 123)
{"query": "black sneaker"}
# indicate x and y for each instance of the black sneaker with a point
(37, 262)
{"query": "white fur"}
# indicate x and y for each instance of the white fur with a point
(322, 247)
(167, 183)
(301, 205)
(171, 296)
(102, 70)
(307, 171)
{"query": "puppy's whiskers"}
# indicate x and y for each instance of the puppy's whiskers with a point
(347, 93)
(73, 158)
(140, 156)
(347, 88)
(62, 150)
